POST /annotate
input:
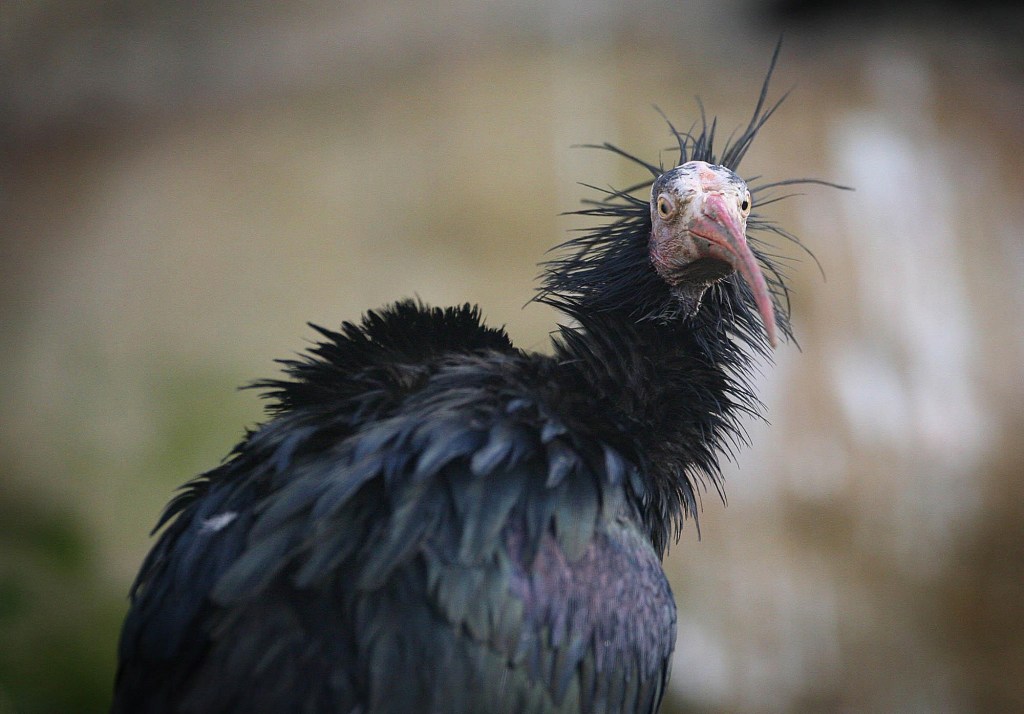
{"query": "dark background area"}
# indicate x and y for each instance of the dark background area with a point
(183, 186)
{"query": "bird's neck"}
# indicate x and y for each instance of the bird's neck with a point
(669, 395)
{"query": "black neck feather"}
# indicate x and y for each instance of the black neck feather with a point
(673, 370)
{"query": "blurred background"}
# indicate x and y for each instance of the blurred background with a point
(183, 186)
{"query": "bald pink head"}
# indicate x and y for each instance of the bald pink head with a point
(699, 222)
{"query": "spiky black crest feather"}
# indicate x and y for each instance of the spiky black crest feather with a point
(609, 268)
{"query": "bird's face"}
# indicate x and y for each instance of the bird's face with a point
(699, 217)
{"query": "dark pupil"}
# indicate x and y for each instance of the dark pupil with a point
(745, 205)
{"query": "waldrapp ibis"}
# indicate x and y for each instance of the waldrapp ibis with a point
(433, 520)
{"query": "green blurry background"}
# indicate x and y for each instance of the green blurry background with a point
(183, 187)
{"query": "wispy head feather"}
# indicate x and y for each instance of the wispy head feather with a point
(608, 268)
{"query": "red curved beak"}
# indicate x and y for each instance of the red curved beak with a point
(718, 224)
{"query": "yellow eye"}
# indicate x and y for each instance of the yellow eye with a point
(745, 203)
(665, 207)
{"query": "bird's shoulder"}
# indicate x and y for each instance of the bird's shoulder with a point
(460, 482)
(386, 354)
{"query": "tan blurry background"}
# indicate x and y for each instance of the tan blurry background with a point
(181, 189)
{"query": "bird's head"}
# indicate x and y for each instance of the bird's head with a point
(698, 235)
(681, 255)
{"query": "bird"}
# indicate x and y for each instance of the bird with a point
(434, 520)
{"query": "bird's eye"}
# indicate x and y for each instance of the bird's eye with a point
(745, 203)
(665, 207)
